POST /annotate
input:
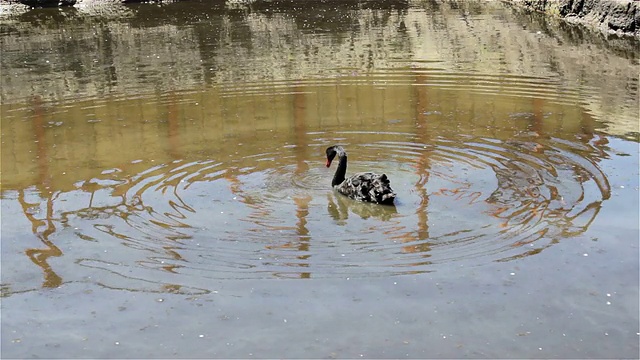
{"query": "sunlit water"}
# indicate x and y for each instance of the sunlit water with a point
(187, 158)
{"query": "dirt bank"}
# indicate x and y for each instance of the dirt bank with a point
(620, 17)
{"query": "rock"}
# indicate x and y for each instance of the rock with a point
(612, 16)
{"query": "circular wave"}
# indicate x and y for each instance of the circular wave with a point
(466, 199)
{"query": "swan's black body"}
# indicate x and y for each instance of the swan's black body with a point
(365, 186)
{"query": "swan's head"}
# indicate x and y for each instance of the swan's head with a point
(332, 151)
(331, 154)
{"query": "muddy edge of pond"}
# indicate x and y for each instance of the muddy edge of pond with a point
(620, 17)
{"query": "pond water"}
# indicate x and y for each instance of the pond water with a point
(164, 193)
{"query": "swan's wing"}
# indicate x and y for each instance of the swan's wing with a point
(368, 186)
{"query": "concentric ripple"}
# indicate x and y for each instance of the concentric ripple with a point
(240, 193)
(468, 200)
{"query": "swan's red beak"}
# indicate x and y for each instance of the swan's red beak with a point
(328, 162)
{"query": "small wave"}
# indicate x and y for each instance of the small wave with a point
(468, 199)
(461, 199)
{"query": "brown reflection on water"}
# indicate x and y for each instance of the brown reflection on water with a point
(39, 256)
(422, 165)
(41, 141)
(128, 51)
(135, 158)
(301, 155)
(302, 241)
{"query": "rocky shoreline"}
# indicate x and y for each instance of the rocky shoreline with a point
(620, 17)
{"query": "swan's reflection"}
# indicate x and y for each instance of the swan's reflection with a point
(338, 207)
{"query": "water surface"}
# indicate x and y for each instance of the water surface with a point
(164, 191)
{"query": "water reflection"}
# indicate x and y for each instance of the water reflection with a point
(239, 204)
(39, 256)
(339, 208)
(159, 170)
(109, 57)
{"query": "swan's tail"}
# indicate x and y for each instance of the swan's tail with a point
(382, 191)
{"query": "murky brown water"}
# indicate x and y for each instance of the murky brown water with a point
(164, 191)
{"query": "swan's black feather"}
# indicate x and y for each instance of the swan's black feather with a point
(369, 187)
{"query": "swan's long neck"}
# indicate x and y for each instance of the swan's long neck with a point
(341, 172)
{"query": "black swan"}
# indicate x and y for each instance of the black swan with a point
(365, 186)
